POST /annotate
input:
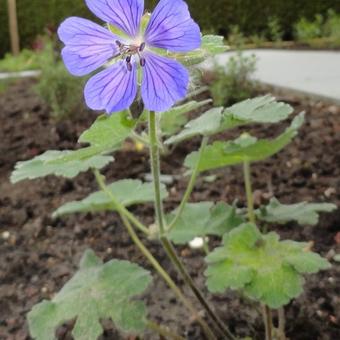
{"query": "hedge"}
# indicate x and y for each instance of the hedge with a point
(213, 16)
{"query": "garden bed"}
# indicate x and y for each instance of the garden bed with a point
(38, 254)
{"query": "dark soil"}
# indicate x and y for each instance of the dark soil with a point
(40, 254)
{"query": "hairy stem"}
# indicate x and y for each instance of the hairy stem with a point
(282, 323)
(249, 192)
(266, 312)
(155, 264)
(268, 322)
(119, 207)
(191, 184)
(168, 247)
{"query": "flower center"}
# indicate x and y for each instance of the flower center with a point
(127, 51)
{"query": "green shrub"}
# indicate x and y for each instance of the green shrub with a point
(275, 32)
(236, 38)
(306, 30)
(59, 89)
(26, 60)
(322, 32)
(332, 26)
(233, 82)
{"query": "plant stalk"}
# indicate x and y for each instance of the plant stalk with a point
(191, 184)
(172, 285)
(282, 323)
(119, 207)
(168, 247)
(249, 192)
(266, 312)
(268, 322)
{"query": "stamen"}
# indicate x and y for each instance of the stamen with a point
(119, 44)
(142, 61)
(142, 47)
(129, 66)
(128, 59)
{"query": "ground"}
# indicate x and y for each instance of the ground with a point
(40, 254)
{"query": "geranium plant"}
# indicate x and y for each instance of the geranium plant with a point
(147, 59)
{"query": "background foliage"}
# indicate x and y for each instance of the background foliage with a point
(216, 16)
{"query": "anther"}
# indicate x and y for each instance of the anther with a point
(119, 44)
(142, 62)
(142, 47)
(128, 59)
(129, 66)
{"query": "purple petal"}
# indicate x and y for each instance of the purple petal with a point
(165, 81)
(88, 45)
(124, 14)
(172, 28)
(113, 89)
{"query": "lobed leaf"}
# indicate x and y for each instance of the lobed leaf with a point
(245, 148)
(207, 124)
(303, 213)
(172, 121)
(52, 163)
(128, 192)
(202, 219)
(262, 110)
(263, 267)
(104, 136)
(97, 291)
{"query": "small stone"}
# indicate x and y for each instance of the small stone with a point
(173, 191)
(109, 251)
(333, 109)
(329, 192)
(44, 290)
(331, 280)
(5, 235)
(320, 313)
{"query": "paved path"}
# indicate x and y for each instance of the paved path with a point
(309, 72)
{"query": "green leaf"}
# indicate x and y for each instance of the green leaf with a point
(97, 291)
(175, 118)
(303, 213)
(104, 136)
(263, 267)
(109, 131)
(50, 163)
(128, 192)
(245, 148)
(206, 124)
(257, 110)
(202, 219)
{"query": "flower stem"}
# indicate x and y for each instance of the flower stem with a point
(151, 258)
(266, 312)
(282, 323)
(190, 185)
(268, 322)
(155, 167)
(249, 192)
(168, 247)
(119, 207)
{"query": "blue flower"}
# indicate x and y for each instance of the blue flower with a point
(89, 46)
